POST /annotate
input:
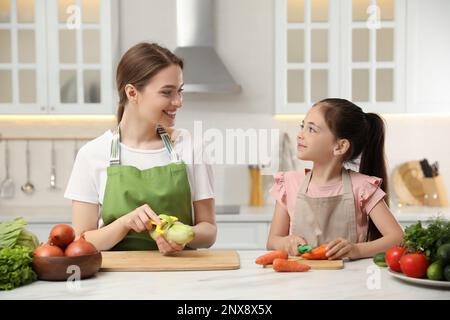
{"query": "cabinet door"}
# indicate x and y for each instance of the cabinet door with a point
(22, 57)
(428, 56)
(241, 235)
(41, 230)
(307, 53)
(373, 54)
(79, 53)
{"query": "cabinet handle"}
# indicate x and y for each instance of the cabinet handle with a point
(42, 108)
(52, 108)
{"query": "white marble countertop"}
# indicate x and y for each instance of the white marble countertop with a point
(62, 214)
(249, 282)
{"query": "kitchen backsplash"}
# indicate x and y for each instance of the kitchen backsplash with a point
(409, 137)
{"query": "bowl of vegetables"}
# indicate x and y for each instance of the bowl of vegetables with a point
(63, 257)
(423, 257)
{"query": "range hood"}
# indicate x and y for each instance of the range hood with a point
(204, 71)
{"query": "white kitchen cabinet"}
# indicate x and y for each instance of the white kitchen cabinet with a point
(428, 52)
(352, 49)
(242, 235)
(41, 230)
(57, 56)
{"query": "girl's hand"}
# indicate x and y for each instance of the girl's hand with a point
(290, 244)
(140, 219)
(340, 248)
(168, 247)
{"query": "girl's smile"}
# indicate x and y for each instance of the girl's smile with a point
(300, 146)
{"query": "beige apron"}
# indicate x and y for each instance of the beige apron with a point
(321, 220)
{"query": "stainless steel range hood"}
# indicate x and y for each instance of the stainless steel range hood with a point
(204, 71)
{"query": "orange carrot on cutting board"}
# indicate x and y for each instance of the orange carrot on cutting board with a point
(318, 253)
(283, 265)
(270, 256)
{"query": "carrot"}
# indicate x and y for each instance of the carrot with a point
(283, 265)
(318, 253)
(270, 256)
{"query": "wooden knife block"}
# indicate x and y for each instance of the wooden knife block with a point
(435, 194)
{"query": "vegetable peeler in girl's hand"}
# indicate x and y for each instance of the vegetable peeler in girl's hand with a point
(304, 248)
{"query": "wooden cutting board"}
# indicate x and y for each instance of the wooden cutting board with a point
(187, 260)
(318, 264)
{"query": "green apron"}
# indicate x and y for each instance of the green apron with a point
(164, 188)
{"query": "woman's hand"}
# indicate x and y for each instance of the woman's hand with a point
(290, 244)
(168, 247)
(340, 248)
(140, 219)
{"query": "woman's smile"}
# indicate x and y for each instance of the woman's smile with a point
(170, 114)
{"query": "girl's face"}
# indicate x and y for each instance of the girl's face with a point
(315, 141)
(160, 99)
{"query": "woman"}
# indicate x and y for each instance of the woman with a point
(122, 180)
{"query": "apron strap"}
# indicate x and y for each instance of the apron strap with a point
(114, 159)
(346, 182)
(306, 181)
(168, 143)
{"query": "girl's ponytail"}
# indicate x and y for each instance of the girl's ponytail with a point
(373, 161)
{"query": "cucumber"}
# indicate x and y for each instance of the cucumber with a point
(380, 259)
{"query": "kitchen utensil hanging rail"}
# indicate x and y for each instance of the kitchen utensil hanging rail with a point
(2, 138)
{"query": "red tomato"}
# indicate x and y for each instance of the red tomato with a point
(393, 256)
(414, 265)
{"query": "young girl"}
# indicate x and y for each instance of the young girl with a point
(329, 204)
(122, 180)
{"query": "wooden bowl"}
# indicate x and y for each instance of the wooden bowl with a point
(61, 268)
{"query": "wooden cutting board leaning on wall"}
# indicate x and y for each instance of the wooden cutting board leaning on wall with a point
(187, 260)
(407, 180)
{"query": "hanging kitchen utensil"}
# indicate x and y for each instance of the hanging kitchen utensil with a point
(75, 150)
(7, 188)
(287, 162)
(28, 187)
(53, 168)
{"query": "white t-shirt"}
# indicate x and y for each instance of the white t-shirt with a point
(87, 181)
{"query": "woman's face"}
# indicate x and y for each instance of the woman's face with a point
(160, 99)
(315, 141)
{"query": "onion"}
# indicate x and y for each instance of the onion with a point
(61, 235)
(48, 250)
(80, 247)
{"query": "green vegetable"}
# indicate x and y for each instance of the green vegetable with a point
(15, 268)
(13, 233)
(178, 232)
(380, 259)
(435, 271)
(447, 273)
(428, 239)
(443, 253)
(16, 249)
